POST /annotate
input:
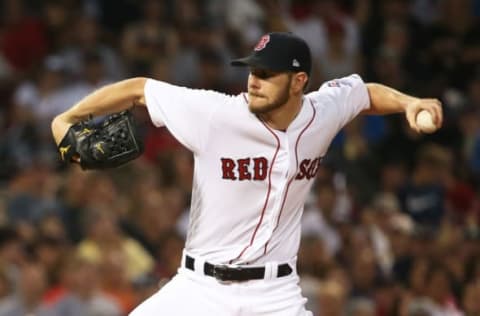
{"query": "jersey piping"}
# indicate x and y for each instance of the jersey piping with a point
(267, 197)
(296, 169)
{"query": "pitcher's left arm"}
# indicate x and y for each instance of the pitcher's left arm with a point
(386, 100)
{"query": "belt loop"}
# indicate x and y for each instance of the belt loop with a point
(184, 259)
(271, 270)
(199, 265)
(268, 271)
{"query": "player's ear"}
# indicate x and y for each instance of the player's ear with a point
(299, 82)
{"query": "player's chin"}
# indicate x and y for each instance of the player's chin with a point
(257, 108)
(257, 105)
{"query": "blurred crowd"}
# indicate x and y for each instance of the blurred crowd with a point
(390, 228)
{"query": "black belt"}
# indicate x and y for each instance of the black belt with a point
(226, 273)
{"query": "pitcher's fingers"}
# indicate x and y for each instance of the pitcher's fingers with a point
(439, 114)
(435, 109)
(412, 121)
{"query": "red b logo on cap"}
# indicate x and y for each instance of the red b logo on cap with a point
(262, 42)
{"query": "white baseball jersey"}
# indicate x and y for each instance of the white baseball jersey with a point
(251, 181)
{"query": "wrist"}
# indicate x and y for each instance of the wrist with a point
(66, 117)
(59, 127)
(409, 102)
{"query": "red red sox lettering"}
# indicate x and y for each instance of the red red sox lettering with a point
(239, 169)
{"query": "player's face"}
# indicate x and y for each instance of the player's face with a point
(267, 90)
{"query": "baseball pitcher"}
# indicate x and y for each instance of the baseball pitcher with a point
(256, 156)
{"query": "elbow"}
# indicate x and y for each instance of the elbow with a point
(136, 86)
(372, 89)
(380, 98)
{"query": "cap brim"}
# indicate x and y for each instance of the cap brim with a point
(252, 61)
(246, 61)
(255, 62)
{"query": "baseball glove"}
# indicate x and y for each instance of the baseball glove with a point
(109, 144)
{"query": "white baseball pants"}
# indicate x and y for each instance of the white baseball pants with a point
(192, 293)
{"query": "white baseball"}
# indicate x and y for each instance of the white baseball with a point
(424, 121)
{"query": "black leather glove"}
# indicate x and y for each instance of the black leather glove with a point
(110, 144)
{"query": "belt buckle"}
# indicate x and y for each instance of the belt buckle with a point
(220, 272)
(226, 274)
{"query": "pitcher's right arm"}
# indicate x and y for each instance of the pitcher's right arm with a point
(109, 99)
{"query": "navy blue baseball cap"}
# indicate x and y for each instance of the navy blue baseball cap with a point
(279, 51)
